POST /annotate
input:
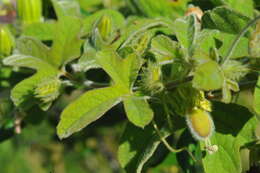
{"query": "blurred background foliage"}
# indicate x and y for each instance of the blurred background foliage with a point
(32, 146)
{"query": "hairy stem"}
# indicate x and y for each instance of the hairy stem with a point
(168, 146)
(175, 84)
(239, 36)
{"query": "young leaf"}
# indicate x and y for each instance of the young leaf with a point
(122, 71)
(208, 76)
(225, 20)
(164, 48)
(88, 108)
(138, 111)
(136, 27)
(134, 153)
(186, 30)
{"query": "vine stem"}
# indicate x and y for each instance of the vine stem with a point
(175, 84)
(166, 110)
(168, 146)
(237, 39)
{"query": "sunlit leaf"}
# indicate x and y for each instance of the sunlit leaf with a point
(138, 111)
(88, 108)
(208, 76)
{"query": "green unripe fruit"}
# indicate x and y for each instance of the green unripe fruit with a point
(200, 124)
(29, 11)
(6, 41)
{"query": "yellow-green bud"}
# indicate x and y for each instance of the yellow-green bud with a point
(200, 124)
(105, 27)
(48, 90)
(151, 80)
(6, 41)
(29, 11)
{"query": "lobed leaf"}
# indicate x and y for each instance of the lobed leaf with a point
(122, 71)
(66, 43)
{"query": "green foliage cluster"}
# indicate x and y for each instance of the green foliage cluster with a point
(156, 61)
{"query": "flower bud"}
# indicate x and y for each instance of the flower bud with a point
(151, 80)
(200, 124)
(105, 27)
(6, 41)
(29, 11)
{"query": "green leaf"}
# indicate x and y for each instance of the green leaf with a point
(208, 76)
(19, 60)
(122, 71)
(225, 20)
(245, 7)
(137, 146)
(138, 111)
(41, 31)
(254, 49)
(33, 47)
(66, 44)
(23, 93)
(164, 48)
(226, 159)
(66, 8)
(225, 41)
(150, 8)
(186, 30)
(88, 23)
(138, 26)
(257, 97)
(141, 43)
(88, 108)
(235, 127)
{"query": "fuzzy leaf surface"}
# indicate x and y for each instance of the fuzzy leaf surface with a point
(122, 71)
(88, 108)
(208, 76)
(138, 111)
